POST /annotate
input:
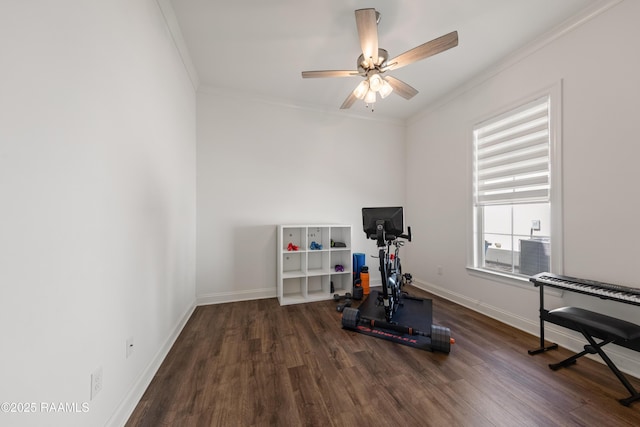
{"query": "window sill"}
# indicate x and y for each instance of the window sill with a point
(509, 279)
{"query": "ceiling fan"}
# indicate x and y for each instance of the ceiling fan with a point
(374, 62)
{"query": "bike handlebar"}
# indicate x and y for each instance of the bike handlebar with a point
(394, 237)
(406, 236)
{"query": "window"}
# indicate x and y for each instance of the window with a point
(514, 178)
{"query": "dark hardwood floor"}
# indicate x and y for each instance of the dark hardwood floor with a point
(256, 363)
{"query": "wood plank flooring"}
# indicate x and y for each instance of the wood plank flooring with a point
(256, 363)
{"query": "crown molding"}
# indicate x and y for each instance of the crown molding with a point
(176, 34)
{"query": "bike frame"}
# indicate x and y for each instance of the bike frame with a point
(391, 273)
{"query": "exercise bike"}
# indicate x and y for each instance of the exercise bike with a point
(391, 269)
(412, 325)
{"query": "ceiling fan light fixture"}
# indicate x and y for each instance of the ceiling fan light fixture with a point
(385, 90)
(370, 97)
(374, 61)
(361, 90)
(375, 82)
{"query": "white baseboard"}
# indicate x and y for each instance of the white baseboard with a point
(626, 360)
(233, 296)
(131, 400)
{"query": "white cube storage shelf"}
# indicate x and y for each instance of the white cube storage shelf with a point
(306, 274)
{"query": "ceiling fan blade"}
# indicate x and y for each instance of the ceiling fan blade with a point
(367, 23)
(401, 88)
(329, 73)
(348, 102)
(423, 51)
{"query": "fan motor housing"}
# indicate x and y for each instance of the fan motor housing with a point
(383, 55)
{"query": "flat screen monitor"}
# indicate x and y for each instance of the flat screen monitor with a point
(392, 217)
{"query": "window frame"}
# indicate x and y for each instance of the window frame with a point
(554, 92)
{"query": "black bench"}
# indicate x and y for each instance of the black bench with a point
(595, 325)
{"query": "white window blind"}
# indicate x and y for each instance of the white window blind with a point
(512, 156)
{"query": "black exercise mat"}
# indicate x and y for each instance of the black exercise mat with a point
(414, 312)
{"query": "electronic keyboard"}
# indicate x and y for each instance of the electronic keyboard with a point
(589, 287)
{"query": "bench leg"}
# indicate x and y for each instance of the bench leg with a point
(566, 362)
(634, 394)
(594, 348)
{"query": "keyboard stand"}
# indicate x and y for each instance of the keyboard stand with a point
(543, 314)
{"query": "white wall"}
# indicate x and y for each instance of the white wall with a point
(261, 164)
(97, 190)
(601, 88)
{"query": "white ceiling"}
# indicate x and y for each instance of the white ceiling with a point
(258, 48)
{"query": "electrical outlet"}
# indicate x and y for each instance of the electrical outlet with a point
(96, 382)
(129, 346)
(439, 270)
(535, 225)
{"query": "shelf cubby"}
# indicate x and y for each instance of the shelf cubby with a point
(294, 264)
(342, 282)
(294, 289)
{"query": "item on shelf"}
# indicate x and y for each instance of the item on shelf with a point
(315, 246)
(335, 244)
(292, 247)
(339, 267)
